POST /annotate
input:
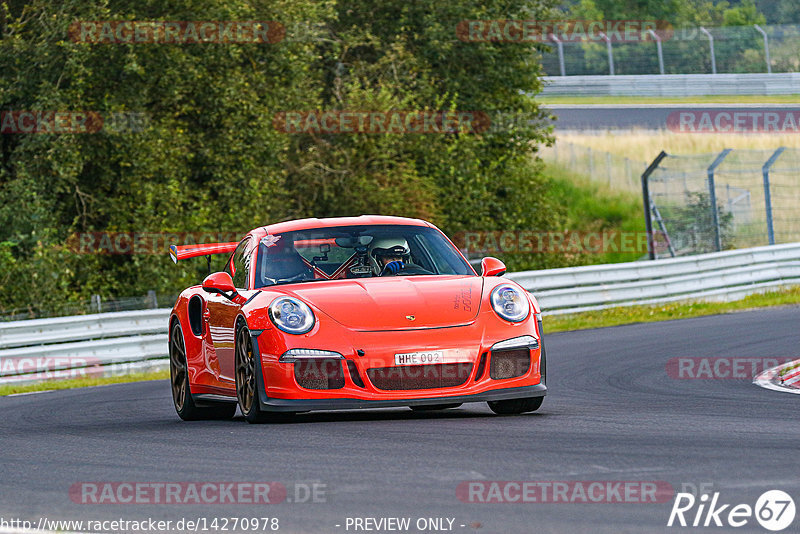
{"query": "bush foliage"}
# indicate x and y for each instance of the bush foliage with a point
(208, 157)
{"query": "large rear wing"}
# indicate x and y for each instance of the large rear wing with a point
(184, 252)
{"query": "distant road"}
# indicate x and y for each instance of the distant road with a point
(629, 116)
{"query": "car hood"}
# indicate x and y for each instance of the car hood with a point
(401, 302)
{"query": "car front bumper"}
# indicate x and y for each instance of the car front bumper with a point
(302, 405)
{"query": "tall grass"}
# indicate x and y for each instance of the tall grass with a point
(645, 145)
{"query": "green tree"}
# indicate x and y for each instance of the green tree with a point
(209, 157)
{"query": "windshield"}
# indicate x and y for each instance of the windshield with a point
(356, 252)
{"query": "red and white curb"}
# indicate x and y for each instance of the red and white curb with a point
(785, 377)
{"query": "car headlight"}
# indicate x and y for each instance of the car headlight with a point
(291, 315)
(509, 303)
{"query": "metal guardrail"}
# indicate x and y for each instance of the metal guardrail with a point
(727, 275)
(101, 344)
(82, 327)
(126, 342)
(672, 84)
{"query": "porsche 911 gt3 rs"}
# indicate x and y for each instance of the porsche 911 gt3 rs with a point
(351, 313)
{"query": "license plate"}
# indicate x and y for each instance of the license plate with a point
(419, 358)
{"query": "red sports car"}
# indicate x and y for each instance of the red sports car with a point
(347, 313)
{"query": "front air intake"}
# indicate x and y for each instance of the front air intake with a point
(319, 373)
(481, 367)
(445, 375)
(354, 376)
(509, 363)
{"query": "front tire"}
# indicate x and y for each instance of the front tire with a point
(181, 390)
(247, 385)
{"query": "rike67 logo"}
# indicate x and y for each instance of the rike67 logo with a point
(774, 510)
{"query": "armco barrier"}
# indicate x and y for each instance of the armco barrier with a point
(727, 275)
(82, 327)
(672, 85)
(99, 344)
(124, 342)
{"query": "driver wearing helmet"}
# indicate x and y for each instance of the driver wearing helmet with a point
(388, 255)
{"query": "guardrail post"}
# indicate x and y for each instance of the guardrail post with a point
(767, 196)
(96, 304)
(648, 222)
(659, 50)
(151, 299)
(560, 47)
(711, 46)
(766, 48)
(712, 198)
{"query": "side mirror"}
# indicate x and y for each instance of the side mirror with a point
(492, 267)
(221, 283)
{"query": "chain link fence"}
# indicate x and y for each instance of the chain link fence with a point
(756, 194)
(730, 49)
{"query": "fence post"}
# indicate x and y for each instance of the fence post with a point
(572, 162)
(96, 303)
(560, 47)
(711, 46)
(608, 168)
(152, 301)
(712, 198)
(767, 196)
(659, 50)
(591, 164)
(628, 173)
(766, 47)
(648, 222)
(610, 53)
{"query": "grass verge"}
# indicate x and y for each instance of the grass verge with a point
(594, 207)
(81, 382)
(700, 99)
(665, 312)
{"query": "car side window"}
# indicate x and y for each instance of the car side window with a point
(239, 265)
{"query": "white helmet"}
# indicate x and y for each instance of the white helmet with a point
(393, 247)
